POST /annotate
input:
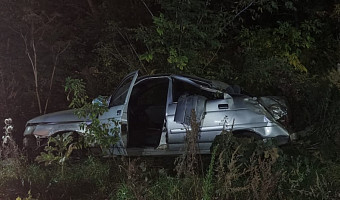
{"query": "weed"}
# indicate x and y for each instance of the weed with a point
(208, 185)
(263, 181)
(246, 168)
(123, 192)
(240, 168)
(321, 188)
(187, 163)
(334, 77)
(59, 152)
(8, 148)
(10, 169)
(29, 197)
(229, 175)
(166, 187)
(97, 132)
(136, 177)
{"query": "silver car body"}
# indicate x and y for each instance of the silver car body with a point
(154, 114)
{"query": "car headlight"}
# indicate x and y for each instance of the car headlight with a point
(277, 107)
(29, 130)
(277, 111)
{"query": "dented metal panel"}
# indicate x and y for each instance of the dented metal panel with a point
(188, 103)
(47, 130)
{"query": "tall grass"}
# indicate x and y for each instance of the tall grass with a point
(239, 168)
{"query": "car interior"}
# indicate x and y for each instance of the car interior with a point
(146, 112)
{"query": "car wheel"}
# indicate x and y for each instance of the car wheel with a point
(247, 134)
(219, 139)
(30, 148)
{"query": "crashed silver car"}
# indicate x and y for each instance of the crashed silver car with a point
(154, 114)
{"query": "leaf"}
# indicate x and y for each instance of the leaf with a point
(47, 158)
(146, 56)
(62, 160)
(274, 5)
(294, 60)
(70, 149)
(160, 31)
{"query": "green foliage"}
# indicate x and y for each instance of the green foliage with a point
(101, 175)
(96, 133)
(185, 36)
(124, 193)
(10, 169)
(58, 149)
(245, 168)
(168, 187)
(268, 55)
(332, 172)
(76, 87)
(320, 112)
(285, 41)
(208, 184)
(104, 134)
(249, 171)
(336, 11)
(334, 77)
(29, 197)
(179, 61)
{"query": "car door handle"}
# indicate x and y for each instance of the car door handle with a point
(223, 106)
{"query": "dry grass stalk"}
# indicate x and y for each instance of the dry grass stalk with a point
(263, 181)
(136, 182)
(187, 164)
(8, 148)
(228, 175)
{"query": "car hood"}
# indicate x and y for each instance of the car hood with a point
(65, 116)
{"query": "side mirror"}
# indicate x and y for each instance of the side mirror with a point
(102, 101)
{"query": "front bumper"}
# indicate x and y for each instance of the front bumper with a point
(32, 142)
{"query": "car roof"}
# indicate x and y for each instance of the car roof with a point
(190, 79)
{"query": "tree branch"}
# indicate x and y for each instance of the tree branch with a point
(33, 62)
(132, 49)
(244, 9)
(55, 62)
(146, 6)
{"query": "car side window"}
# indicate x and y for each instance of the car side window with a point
(181, 87)
(119, 97)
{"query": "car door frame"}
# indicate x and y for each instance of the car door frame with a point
(119, 113)
(177, 131)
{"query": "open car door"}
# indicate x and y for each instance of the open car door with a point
(118, 106)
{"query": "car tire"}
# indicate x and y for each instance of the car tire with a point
(247, 134)
(30, 148)
(238, 134)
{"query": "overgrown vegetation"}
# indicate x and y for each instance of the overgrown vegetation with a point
(97, 132)
(247, 169)
(270, 47)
